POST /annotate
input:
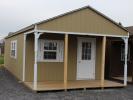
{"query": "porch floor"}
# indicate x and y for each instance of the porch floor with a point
(129, 79)
(58, 85)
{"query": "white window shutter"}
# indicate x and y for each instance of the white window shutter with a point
(42, 49)
(61, 55)
(39, 50)
(58, 51)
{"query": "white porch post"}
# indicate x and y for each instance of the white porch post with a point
(125, 61)
(24, 49)
(36, 36)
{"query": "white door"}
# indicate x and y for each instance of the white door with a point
(86, 58)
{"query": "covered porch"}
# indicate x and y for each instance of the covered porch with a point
(67, 82)
(115, 60)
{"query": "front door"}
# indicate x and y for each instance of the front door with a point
(86, 58)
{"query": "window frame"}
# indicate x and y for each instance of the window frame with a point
(13, 48)
(59, 51)
(44, 50)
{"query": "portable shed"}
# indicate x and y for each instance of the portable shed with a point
(64, 52)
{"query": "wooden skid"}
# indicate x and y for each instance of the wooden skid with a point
(59, 85)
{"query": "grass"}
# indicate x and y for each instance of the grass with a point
(1, 60)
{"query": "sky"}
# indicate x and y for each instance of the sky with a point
(17, 14)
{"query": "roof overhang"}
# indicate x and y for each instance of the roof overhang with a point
(75, 33)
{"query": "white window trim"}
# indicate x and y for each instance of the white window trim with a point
(11, 48)
(128, 57)
(60, 51)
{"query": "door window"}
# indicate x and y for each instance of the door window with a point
(86, 51)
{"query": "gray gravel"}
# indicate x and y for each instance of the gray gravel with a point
(10, 89)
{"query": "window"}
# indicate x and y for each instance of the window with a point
(86, 51)
(50, 50)
(13, 52)
(123, 53)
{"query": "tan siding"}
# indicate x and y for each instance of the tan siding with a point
(29, 57)
(14, 65)
(84, 21)
(72, 58)
(50, 71)
(98, 57)
(54, 70)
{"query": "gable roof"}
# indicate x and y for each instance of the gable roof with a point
(130, 29)
(70, 12)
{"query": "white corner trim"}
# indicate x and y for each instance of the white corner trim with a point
(24, 58)
(78, 33)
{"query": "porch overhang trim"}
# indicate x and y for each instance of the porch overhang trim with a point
(78, 33)
(29, 32)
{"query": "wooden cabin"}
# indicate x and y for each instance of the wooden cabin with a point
(64, 52)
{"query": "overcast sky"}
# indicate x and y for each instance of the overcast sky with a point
(16, 14)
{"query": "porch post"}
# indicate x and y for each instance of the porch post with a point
(36, 36)
(65, 61)
(24, 49)
(103, 61)
(125, 61)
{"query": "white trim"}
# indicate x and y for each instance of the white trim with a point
(59, 51)
(36, 37)
(29, 32)
(11, 48)
(75, 33)
(78, 33)
(125, 63)
(123, 53)
(35, 76)
(24, 58)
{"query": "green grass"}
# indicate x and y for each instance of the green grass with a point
(1, 60)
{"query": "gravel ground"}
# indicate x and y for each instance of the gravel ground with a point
(10, 89)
